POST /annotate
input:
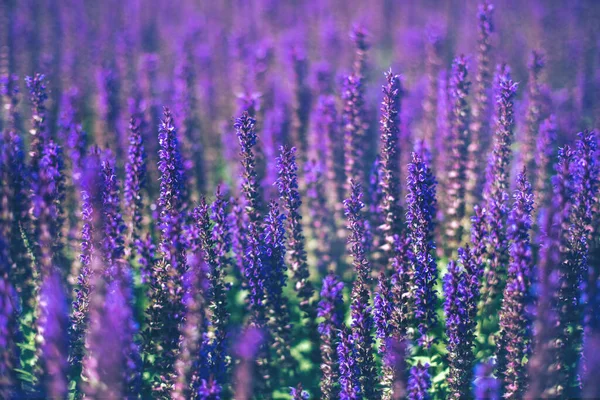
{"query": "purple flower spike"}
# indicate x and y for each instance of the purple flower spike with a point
(275, 276)
(350, 386)
(354, 131)
(461, 291)
(172, 183)
(217, 260)
(496, 197)
(52, 333)
(362, 320)
(47, 197)
(534, 114)
(38, 97)
(167, 287)
(390, 181)
(91, 205)
(359, 38)
(580, 189)
(290, 196)
(246, 134)
(480, 112)
(109, 107)
(186, 101)
(420, 217)
(191, 363)
(327, 129)
(135, 177)
(383, 316)
(419, 382)
(458, 152)
(558, 288)
(15, 196)
(302, 101)
(331, 309)
(515, 321)
(322, 220)
(544, 157)
(114, 227)
(238, 221)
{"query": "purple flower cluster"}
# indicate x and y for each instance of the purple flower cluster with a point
(420, 219)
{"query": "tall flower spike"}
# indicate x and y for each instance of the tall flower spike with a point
(91, 203)
(457, 157)
(420, 217)
(515, 321)
(135, 177)
(246, 134)
(238, 221)
(479, 235)
(109, 107)
(544, 157)
(322, 220)
(216, 258)
(480, 112)
(114, 227)
(302, 101)
(350, 386)
(352, 124)
(52, 332)
(390, 181)
(359, 38)
(187, 363)
(572, 258)
(166, 309)
(419, 383)
(434, 42)
(47, 197)
(252, 267)
(75, 141)
(38, 97)
(331, 309)
(186, 86)
(275, 270)
(534, 114)
(496, 198)
(118, 271)
(383, 310)
(587, 146)
(460, 289)
(362, 320)
(172, 182)
(290, 196)
(287, 184)
(15, 198)
(574, 255)
(543, 370)
(327, 128)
